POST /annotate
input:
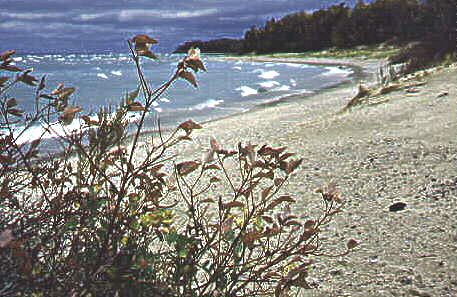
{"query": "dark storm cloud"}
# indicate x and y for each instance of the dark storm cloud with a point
(78, 25)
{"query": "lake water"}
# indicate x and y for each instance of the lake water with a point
(228, 87)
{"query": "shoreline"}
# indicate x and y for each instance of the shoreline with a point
(362, 70)
(401, 148)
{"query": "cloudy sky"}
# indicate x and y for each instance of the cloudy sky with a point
(103, 25)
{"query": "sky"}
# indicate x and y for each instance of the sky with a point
(88, 26)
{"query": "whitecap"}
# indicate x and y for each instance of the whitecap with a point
(102, 75)
(117, 73)
(17, 59)
(158, 109)
(246, 91)
(165, 100)
(293, 82)
(210, 103)
(268, 84)
(237, 68)
(269, 74)
(282, 88)
(155, 103)
(337, 71)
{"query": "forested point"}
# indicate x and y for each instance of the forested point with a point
(341, 26)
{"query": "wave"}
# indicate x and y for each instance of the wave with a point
(165, 100)
(282, 88)
(56, 129)
(246, 91)
(117, 73)
(268, 74)
(237, 68)
(268, 84)
(210, 103)
(102, 75)
(337, 71)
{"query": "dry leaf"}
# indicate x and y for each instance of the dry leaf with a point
(6, 55)
(215, 145)
(187, 167)
(28, 79)
(144, 39)
(293, 165)
(189, 76)
(136, 106)
(189, 125)
(232, 204)
(69, 114)
(3, 80)
(11, 103)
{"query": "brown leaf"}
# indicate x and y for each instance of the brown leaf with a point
(28, 79)
(214, 179)
(148, 54)
(65, 93)
(265, 192)
(58, 90)
(11, 103)
(279, 200)
(136, 106)
(69, 114)
(15, 112)
(292, 223)
(251, 237)
(285, 156)
(7, 54)
(215, 145)
(42, 84)
(145, 39)
(189, 125)
(185, 137)
(187, 167)
(267, 219)
(89, 121)
(212, 166)
(143, 45)
(3, 80)
(293, 165)
(232, 204)
(10, 68)
(189, 76)
(278, 181)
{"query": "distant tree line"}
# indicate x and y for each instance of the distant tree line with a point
(344, 27)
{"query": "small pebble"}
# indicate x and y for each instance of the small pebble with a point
(397, 206)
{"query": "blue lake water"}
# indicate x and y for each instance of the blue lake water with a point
(228, 87)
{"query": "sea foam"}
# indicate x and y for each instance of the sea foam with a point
(269, 74)
(102, 75)
(268, 84)
(210, 103)
(246, 91)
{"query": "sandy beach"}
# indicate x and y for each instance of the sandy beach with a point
(400, 148)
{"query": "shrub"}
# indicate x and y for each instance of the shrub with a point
(113, 214)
